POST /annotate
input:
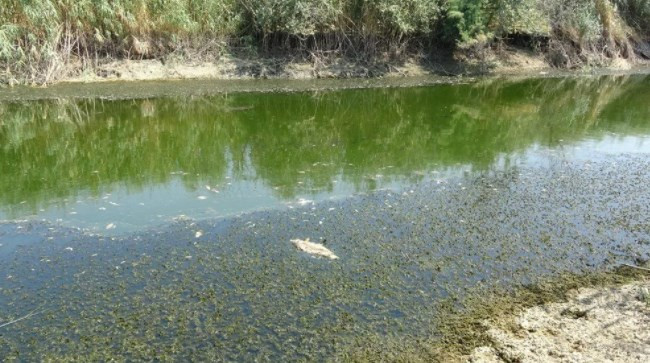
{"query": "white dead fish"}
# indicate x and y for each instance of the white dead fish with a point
(313, 248)
(110, 226)
(198, 234)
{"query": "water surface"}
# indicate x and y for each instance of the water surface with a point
(159, 228)
(139, 163)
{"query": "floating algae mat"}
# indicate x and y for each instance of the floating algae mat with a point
(162, 228)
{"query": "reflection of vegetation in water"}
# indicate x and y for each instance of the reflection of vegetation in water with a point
(300, 142)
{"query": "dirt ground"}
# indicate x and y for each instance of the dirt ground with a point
(510, 61)
(237, 68)
(595, 325)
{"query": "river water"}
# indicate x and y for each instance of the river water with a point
(160, 226)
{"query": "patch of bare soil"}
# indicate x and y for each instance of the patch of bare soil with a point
(237, 68)
(505, 61)
(518, 60)
(595, 325)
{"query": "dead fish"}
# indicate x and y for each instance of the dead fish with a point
(313, 248)
(209, 188)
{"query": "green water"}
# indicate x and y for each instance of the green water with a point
(431, 196)
(140, 163)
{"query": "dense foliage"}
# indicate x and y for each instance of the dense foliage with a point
(41, 37)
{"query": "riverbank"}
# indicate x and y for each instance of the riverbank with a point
(513, 61)
(50, 41)
(510, 61)
(570, 317)
(113, 88)
(596, 324)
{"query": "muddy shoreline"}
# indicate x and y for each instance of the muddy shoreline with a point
(601, 322)
(114, 90)
(123, 79)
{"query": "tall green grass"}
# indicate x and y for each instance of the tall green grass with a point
(41, 40)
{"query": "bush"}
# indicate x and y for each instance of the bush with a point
(39, 37)
(298, 17)
(468, 21)
(636, 14)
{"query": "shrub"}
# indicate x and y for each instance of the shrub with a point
(39, 37)
(636, 14)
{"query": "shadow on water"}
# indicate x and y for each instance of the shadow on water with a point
(493, 184)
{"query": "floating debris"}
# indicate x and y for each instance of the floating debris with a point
(198, 234)
(313, 248)
(303, 201)
(211, 189)
(21, 318)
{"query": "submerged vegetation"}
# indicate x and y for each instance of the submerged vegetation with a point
(242, 292)
(43, 40)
